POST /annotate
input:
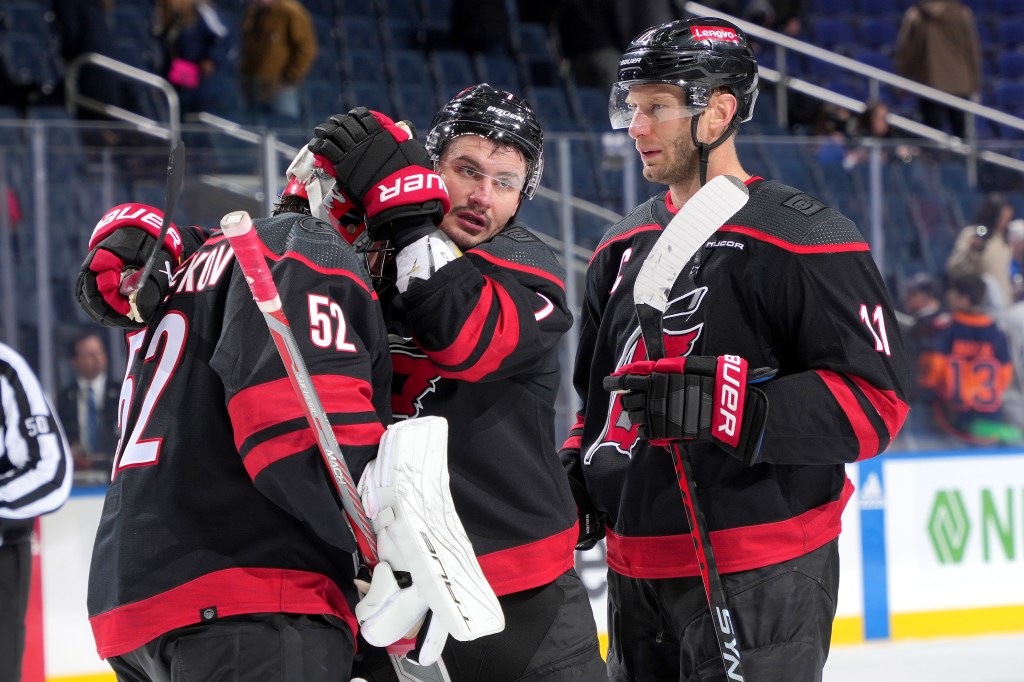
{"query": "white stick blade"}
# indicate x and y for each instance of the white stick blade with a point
(686, 233)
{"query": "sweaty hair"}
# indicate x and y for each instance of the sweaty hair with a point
(292, 204)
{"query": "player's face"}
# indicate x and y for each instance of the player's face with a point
(485, 183)
(665, 145)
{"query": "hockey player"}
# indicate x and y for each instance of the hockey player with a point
(476, 342)
(222, 544)
(476, 313)
(787, 284)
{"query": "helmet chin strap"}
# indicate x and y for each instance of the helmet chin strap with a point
(706, 149)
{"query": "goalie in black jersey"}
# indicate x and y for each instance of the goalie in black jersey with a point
(475, 310)
(223, 543)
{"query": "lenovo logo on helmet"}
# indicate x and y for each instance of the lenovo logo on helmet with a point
(504, 113)
(714, 33)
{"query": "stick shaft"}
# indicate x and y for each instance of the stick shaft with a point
(175, 178)
(248, 250)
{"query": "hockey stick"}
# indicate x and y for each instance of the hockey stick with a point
(244, 241)
(237, 227)
(686, 233)
(175, 178)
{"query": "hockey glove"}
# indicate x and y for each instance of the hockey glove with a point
(385, 172)
(696, 399)
(592, 528)
(120, 244)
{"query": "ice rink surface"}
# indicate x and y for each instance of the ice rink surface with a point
(967, 659)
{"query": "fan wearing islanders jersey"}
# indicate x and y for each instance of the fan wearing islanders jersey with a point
(785, 290)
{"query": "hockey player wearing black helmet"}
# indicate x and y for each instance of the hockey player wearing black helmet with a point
(786, 284)
(475, 315)
(474, 335)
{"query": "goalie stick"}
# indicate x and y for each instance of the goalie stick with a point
(175, 178)
(246, 244)
(686, 233)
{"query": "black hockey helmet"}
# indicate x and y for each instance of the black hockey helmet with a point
(699, 55)
(496, 115)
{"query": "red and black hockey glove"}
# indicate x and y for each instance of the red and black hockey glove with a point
(385, 172)
(696, 399)
(120, 244)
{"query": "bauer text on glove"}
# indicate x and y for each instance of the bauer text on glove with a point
(385, 172)
(120, 243)
(696, 399)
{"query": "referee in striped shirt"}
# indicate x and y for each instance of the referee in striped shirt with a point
(35, 479)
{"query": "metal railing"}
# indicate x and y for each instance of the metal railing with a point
(783, 44)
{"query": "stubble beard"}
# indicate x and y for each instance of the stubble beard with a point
(684, 170)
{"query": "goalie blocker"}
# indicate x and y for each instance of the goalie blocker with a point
(428, 572)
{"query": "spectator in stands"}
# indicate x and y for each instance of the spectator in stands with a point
(938, 45)
(195, 44)
(921, 306)
(88, 405)
(873, 124)
(279, 46)
(983, 248)
(86, 26)
(967, 369)
(784, 16)
(35, 462)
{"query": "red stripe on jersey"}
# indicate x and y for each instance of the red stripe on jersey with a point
(736, 549)
(509, 265)
(795, 248)
(232, 592)
(651, 227)
(275, 449)
(503, 341)
(890, 408)
(573, 442)
(519, 568)
(264, 405)
(862, 428)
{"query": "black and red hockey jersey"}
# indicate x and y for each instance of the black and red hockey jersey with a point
(477, 344)
(788, 283)
(220, 503)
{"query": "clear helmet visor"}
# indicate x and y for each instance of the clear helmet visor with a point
(629, 104)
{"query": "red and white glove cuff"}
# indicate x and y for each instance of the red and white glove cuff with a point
(140, 216)
(407, 187)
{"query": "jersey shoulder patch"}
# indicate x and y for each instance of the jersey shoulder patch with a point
(650, 212)
(517, 244)
(312, 240)
(796, 217)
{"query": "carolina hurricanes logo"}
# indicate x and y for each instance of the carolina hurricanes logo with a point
(414, 377)
(680, 338)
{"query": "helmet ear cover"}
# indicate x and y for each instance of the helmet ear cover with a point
(495, 115)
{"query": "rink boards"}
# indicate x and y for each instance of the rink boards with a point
(932, 546)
